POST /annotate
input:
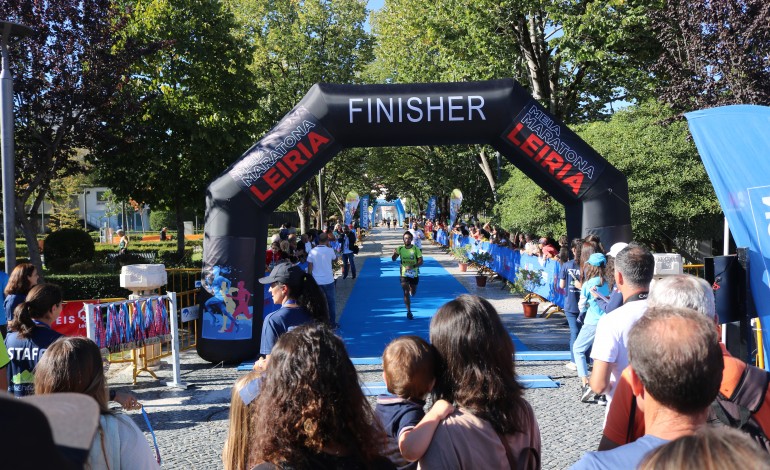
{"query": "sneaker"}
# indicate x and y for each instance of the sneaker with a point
(601, 400)
(586, 394)
(571, 366)
(409, 316)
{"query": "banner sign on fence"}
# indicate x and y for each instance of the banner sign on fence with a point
(190, 313)
(72, 320)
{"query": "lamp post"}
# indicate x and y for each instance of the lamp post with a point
(9, 32)
(85, 209)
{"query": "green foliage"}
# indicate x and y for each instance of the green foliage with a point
(195, 116)
(480, 259)
(524, 207)
(671, 196)
(461, 253)
(63, 213)
(526, 281)
(160, 219)
(89, 286)
(66, 247)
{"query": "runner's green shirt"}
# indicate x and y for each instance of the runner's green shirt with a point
(409, 259)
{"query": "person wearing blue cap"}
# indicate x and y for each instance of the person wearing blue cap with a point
(594, 278)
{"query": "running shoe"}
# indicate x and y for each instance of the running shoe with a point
(409, 316)
(586, 394)
(571, 366)
(601, 400)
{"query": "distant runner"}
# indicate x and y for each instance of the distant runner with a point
(411, 260)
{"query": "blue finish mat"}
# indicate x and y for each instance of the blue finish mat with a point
(529, 356)
(527, 381)
(375, 313)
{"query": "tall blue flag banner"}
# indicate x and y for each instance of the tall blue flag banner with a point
(364, 211)
(430, 212)
(455, 201)
(733, 142)
(351, 203)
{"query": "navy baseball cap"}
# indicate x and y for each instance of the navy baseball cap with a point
(284, 273)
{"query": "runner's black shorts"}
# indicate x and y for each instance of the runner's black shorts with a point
(407, 282)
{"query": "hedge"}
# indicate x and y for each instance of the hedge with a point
(89, 286)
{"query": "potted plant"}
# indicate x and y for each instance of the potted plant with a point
(480, 260)
(461, 253)
(526, 282)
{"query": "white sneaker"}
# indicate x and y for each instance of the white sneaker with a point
(571, 366)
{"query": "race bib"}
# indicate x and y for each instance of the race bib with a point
(409, 272)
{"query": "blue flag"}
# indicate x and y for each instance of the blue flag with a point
(430, 212)
(733, 142)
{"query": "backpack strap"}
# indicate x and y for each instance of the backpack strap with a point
(751, 389)
(631, 419)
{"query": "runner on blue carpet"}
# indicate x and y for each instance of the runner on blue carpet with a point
(411, 260)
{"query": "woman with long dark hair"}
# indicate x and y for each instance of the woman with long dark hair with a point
(311, 412)
(301, 301)
(75, 365)
(493, 426)
(23, 278)
(30, 335)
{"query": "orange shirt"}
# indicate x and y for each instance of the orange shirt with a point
(616, 425)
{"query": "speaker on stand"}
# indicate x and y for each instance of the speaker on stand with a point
(729, 277)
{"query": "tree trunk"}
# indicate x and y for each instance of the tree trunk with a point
(179, 228)
(29, 228)
(487, 169)
(304, 207)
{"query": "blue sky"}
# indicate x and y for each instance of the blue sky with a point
(373, 5)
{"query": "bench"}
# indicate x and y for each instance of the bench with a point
(148, 256)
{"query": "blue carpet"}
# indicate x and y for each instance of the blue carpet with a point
(526, 381)
(375, 313)
(529, 356)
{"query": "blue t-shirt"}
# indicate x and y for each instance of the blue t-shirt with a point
(594, 312)
(25, 353)
(395, 414)
(627, 456)
(11, 302)
(279, 322)
(3, 283)
(573, 293)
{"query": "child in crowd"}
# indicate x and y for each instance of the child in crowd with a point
(408, 366)
(594, 274)
(235, 454)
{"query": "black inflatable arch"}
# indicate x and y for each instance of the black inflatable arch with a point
(333, 117)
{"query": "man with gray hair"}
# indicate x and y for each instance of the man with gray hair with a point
(676, 370)
(625, 422)
(634, 267)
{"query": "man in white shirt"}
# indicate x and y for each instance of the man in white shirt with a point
(634, 268)
(418, 235)
(319, 265)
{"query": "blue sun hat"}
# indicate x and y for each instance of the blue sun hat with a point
(597, 259)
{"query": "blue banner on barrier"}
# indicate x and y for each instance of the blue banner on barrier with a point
(506, 261)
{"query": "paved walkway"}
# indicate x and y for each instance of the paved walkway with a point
(191, 425)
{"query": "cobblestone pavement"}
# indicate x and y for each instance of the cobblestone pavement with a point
(191, 425)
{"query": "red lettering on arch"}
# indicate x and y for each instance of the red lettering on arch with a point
(574, 182)
(273, 178)
(531, 145)
(553, 162)
(316, 140)
(293, 160)
(260, 195)
(512, 135)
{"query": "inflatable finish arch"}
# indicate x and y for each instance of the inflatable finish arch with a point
(333, 117)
